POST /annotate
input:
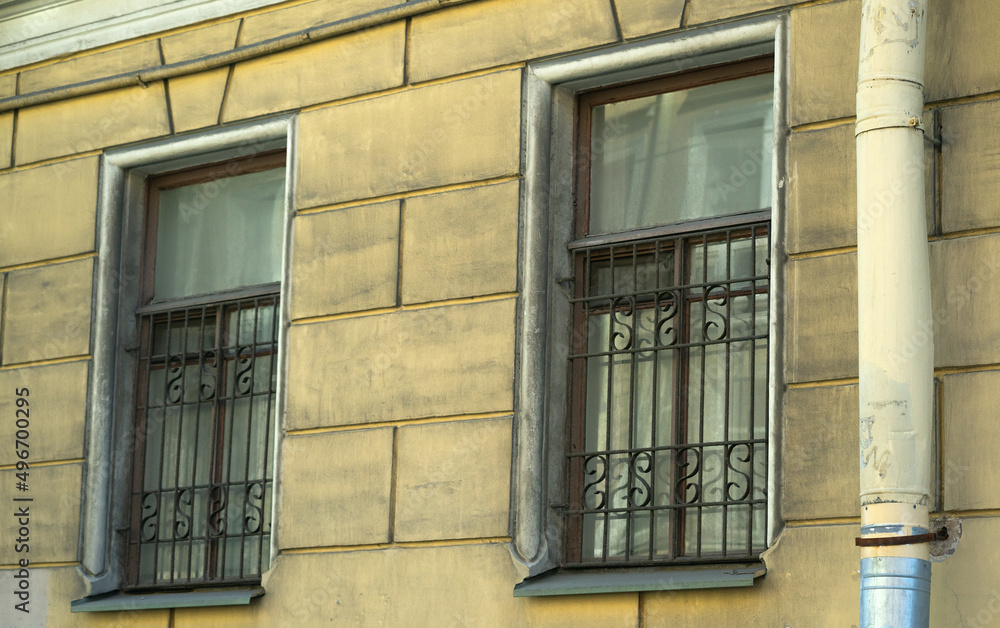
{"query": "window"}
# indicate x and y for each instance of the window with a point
(668, 362)
(208, 324)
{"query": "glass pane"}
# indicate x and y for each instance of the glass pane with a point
(249, 324)
(220, 235)
(191, 332)
(727, 380)
(695, 153)
(629, 400)
(746, 261)
(648, 410)
(173, 562)
(633, 272)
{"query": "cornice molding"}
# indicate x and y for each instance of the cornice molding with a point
(37, 30)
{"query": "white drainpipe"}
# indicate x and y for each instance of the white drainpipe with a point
(894, 311)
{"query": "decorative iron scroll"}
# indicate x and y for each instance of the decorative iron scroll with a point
(253, 508)
(202, 479)
(601, 473)
(670, 396)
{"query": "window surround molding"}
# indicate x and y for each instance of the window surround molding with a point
(121, 207)
(549, 90)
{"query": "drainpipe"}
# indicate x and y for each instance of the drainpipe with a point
(895, 357)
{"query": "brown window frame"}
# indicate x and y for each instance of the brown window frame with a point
(225, 359)
(680, 239)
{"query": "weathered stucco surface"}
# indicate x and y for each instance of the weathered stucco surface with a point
(405, 254)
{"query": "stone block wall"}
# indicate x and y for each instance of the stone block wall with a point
(398, 436)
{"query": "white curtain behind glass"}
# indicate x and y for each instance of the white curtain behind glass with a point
(220, 235)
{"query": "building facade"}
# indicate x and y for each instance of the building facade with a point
(469, 313)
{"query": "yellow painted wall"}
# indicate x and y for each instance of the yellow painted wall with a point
(403, 301)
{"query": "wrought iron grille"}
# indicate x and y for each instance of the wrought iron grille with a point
(202, 481)
(668, 458)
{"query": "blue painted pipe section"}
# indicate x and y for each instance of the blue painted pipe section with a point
(895, 592)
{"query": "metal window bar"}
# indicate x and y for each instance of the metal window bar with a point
(201, 486)
(679, 475)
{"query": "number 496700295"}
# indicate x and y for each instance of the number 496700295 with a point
(22, 421)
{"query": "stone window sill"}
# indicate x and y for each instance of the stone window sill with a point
(579, 582)
(119, 601)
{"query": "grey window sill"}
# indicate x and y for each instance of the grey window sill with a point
(118, 601)
(630, 580)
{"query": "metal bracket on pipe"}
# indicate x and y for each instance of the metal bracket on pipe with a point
(888, 120)
(884, 541)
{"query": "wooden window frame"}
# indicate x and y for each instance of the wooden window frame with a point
(226, 351)
(687, 234)
(182, 178)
